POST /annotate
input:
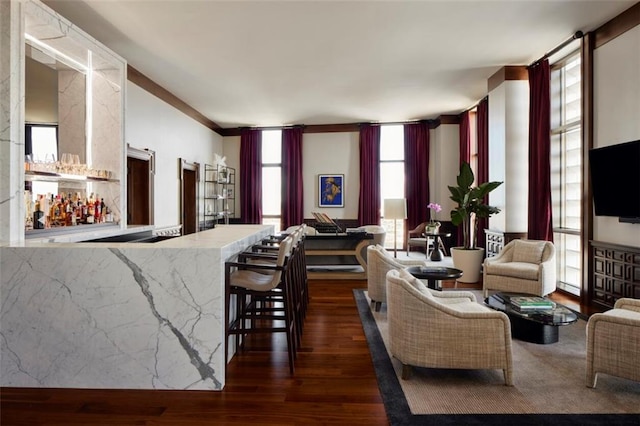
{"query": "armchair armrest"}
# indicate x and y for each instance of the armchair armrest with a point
(614, 316)
(446, 297)
(628, 303)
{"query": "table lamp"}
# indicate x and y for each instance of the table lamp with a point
(395, 208)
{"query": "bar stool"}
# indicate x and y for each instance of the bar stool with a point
(263, 299)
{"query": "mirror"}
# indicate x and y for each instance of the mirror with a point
(55, 94)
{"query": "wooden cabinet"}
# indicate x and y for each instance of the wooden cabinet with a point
(616, 273)
(496, 240)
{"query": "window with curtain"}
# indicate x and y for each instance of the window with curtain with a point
(392, 177)
(566, 169)
(271, 177)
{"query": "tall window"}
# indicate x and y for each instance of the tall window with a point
(566, 169)
(271, 177)
(392, 177)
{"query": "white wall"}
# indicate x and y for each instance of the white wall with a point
(509, 155)
(617, 116)
(331, 153)
(151, 123)
(444, 165)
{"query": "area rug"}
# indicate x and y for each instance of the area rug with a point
(549, 385)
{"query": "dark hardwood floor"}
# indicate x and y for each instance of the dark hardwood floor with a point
(334, 383)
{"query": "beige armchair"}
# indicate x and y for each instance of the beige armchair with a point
(613, 342)
(435, 329)
(379, 236)
(380, 261)
(523, 266)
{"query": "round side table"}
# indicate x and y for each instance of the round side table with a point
(434, 274)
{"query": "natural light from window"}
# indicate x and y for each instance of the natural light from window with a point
(566, 170)
(271, 177)
(392, 177)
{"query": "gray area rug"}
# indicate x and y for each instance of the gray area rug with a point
(549, 385)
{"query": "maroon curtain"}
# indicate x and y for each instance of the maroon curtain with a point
(482, 175)
(416, 172)
(540, 219)
(369, 202)
(465, 154)
(251, 176)
(292, 191)
(465, 138)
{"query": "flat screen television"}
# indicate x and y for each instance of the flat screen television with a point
(615, 180)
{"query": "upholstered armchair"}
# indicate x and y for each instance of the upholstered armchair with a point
(415, 237)
(379, 262)
(435, 329)
(379, 236)
(613, 342)
(523, 266)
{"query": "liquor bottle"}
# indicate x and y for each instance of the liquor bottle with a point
(97, 212)
(38, 216)
(103, 210)
(91, 210)
(45, 205)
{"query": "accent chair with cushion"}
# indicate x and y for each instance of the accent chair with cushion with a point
(433, 329)
(523, 266)
(379, 262)
(379, 236)
(613, 342)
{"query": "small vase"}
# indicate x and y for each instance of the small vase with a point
(432, 228)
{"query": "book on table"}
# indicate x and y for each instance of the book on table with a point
(531, 302)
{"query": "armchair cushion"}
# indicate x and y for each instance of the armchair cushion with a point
(527, 251)
(525, 270)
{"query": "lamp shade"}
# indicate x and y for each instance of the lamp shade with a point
(395, 208)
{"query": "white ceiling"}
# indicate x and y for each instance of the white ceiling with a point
(268, 63)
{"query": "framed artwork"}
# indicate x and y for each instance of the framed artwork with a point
(331, 190)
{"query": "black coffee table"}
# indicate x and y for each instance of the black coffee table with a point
(434, 274)
(535, 326)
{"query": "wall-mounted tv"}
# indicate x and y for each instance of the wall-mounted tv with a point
(615, 181)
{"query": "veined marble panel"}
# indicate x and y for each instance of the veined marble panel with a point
(123, 315)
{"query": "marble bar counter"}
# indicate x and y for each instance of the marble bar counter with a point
(118, 315)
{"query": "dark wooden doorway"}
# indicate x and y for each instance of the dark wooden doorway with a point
(189, 197)
(138, 193)
(140, 174)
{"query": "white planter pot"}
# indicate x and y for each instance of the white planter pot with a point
(469, 261)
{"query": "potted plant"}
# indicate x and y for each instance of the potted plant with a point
(470, 208)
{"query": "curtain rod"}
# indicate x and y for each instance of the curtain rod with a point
(577, 35)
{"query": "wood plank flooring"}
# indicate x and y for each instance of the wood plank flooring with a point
(334, 383)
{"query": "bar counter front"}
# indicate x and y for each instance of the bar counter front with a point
(118, 315)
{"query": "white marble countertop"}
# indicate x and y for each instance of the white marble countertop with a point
(81, 235)
(218, 237)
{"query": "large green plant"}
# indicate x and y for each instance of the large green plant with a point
(470, 204)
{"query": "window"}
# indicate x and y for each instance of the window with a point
(566, 169)
(271, 177)
(392, 177)
(43, 149)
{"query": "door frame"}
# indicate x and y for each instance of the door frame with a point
(182, 166)
(149, 156)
